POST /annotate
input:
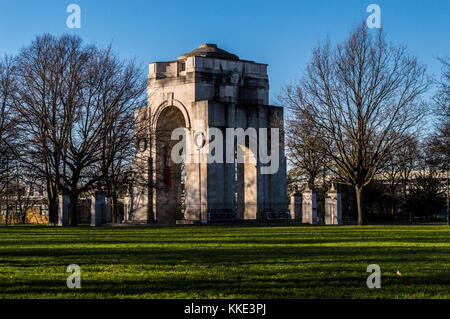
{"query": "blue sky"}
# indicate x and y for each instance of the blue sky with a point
(279, 33)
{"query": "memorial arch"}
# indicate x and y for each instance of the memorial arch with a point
(205, 88)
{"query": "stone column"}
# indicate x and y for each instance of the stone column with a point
(296, 205)
(250, 186)
(309, 207)
(98, 209)
(63, 209)
(333, 207)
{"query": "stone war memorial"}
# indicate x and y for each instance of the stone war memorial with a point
(204, 90)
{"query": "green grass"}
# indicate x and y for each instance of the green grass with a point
(226, 261)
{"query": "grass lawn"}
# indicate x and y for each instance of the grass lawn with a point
(226, 261)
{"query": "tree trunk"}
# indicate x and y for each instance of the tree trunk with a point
(448, 212)
(114, 208)
(311, 181)
(392, 201)
(52, 211)
(73, 209)
(360, 204)
(23, 215)
(52, 200)
(448, 202)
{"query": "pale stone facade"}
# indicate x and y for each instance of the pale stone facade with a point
(205, 88)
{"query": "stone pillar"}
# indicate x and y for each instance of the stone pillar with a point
(98, 209)
(333, 207)
(296, 205)
(196, 173)
(250, 186)
(309, 207)
(63, 209)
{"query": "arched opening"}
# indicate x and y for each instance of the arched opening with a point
(169, 176)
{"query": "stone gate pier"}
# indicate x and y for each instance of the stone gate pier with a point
(204, 89)
(309, 206)
(333, 207)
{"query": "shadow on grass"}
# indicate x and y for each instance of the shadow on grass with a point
(207, 287)
(272, 262)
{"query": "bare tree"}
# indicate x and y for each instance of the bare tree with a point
(442, 97)
(427, 196)
(363, 97)
(123, 90)
(440, 140)
(8, 128)
(101, 135)
(398, 167)
(48, 71)
(25, 184)
(74, 102)
(305, 149)
(8, 118)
